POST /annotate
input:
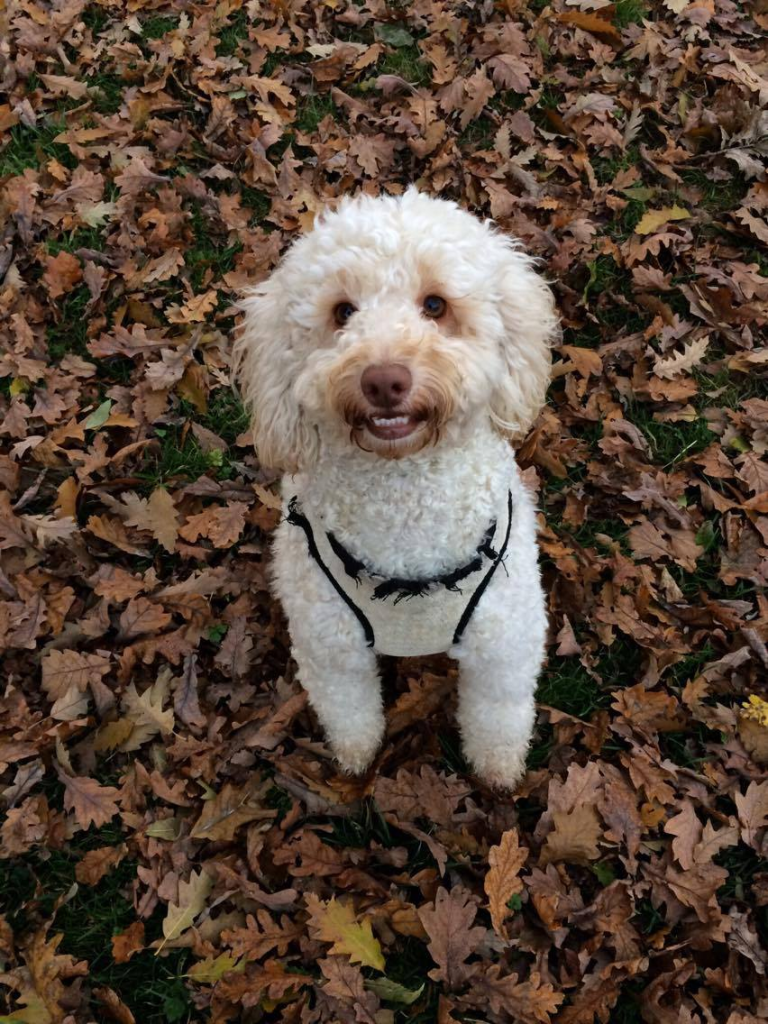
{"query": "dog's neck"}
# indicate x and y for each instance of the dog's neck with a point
(411, 517)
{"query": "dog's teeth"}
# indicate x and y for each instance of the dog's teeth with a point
(388, 421)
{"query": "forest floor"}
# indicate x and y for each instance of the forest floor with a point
(176, 844)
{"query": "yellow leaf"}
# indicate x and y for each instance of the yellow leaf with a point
(502, 881)
(66, 497)
(18, 386)
(192, 386)
(192, 897)
(146, 711)
(335, 922)
(165, 828)
(208, 972)
(112, 734)
(652, 220)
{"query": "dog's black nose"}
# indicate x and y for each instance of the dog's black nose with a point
(386, 386)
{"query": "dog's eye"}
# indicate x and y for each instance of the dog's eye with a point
(342, 312)
(434, 306)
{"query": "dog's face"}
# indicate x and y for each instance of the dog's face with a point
(392, 325)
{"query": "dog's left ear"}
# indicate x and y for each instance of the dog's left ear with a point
(531, 326)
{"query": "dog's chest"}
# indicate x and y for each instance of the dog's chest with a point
(416, 517)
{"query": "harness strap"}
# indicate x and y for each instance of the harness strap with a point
(297, 518)
(379, 589)
(473, 601)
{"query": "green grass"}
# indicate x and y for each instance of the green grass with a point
(627, 1008)
(226, 415)
(405, 62)
(648, 918)
(70, 332)
(592, 533)
(630, 12)
(207, 252)
(106, 92)
(312, 109)
(732, 388)
(566, 685)
(157, 26)
(232, 34)
(153, 987)
(408, 965)
(34, 147)
(256, 201)
(716, 196)
(96, 18)
(742, 864)
(360, 829)
(366, 825)
(687, 748)
(176, 462)
(80, 238)
(670, 443)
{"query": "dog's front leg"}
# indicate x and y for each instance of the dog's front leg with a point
(335, 667)
(499, 661)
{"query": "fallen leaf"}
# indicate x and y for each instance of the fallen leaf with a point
(502, 881)
(652, 220)
(336, 922)
(448, 923)
(192, 900)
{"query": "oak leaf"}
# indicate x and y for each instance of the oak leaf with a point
(213, 969)
(261, 935)
(752, 808)
(192, 897)
(591, 23)
(574, 837)
(92, 803)
(64, 669)
(679, 362)
(156, 514)
(448, 922)
(142, 616)
(652, 220)
(146, 712)
(62, 272)
(529, 1002)
(686, 828)
(335, 922)
(71, 705)
(502, 881)
(228, 810)
(222, 525)
(95, 864)
(185, 699)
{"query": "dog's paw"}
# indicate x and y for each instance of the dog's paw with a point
(354, 758)
(500, 769)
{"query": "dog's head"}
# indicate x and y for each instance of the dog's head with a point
(396, 322)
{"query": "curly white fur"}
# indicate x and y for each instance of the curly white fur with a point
(417, 506)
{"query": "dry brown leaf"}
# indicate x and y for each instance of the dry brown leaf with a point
(502, 881)
(228, 810)
(95, 864)
(91, 803)
(449, 925)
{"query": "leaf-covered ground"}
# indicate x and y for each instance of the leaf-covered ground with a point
(176, 843)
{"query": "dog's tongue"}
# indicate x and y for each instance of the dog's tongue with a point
(391, 428)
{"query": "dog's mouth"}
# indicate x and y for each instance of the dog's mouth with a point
(392, 426)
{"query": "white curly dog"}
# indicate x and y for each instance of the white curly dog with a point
(386, 362)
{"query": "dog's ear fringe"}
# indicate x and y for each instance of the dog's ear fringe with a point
(265, 366)
(531, 328)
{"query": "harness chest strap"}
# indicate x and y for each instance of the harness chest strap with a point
(407, 617)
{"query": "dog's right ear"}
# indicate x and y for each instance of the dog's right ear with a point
(266, 365)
